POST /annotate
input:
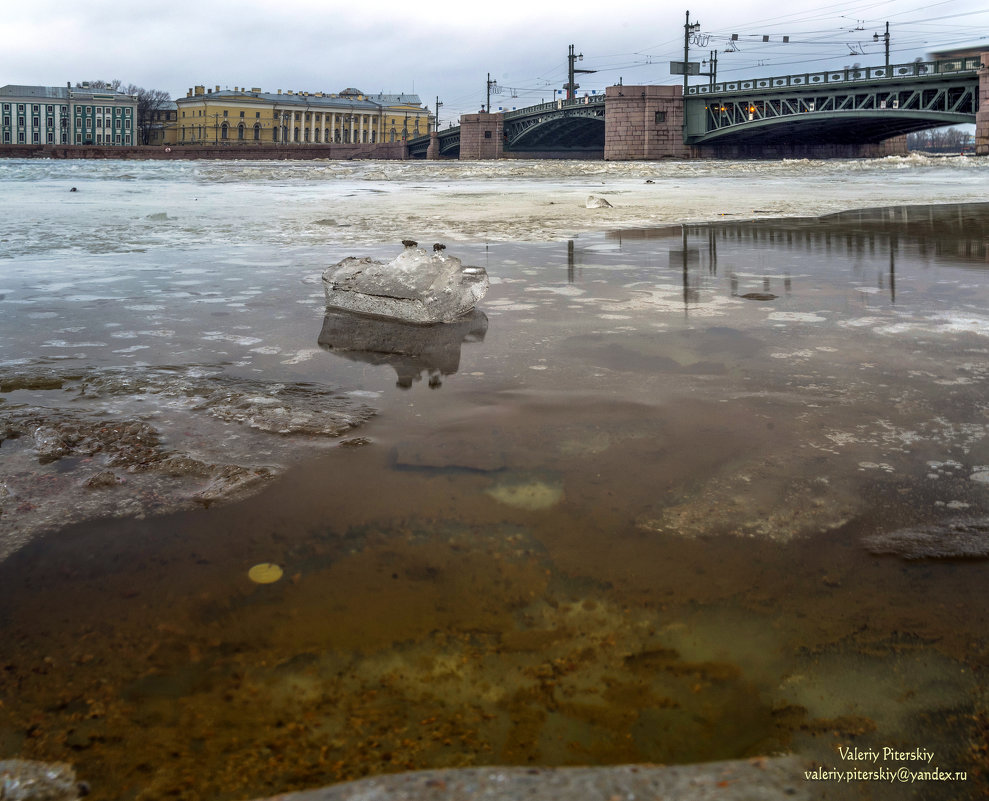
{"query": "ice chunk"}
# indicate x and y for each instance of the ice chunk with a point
(416, 286)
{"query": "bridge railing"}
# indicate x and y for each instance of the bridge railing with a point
(915, 69)
(579, 102)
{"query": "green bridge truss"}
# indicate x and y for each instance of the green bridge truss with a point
(841, 106)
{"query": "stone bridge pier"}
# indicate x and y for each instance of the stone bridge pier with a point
(982, 115)
(644, 123)
(482, 136)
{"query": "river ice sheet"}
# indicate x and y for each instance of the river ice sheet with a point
(131, 206)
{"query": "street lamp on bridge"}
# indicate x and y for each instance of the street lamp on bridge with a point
(571, 86)
(885, 37)
(491, 85)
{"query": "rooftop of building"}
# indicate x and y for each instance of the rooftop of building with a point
(48, 92)
(351, 97)
(61, 92)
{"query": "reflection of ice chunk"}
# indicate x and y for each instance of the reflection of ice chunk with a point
(410, 349)
(416, 286)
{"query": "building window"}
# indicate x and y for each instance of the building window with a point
(35, 121)
(37, 138)
(660, 117)
(257, 115)
(257, 132)
(223, 131)
(20, 122)
(36, 108)
(51, 109)
(487, 134)
(242, 115)
(240, 132)
(224, 113)
(51, 137)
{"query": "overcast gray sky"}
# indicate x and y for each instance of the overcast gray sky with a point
(446, 49)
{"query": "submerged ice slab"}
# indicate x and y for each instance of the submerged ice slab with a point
(416, 286)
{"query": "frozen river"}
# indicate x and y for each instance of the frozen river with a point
(646, 505)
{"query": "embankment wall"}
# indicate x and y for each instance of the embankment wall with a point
(385, 150)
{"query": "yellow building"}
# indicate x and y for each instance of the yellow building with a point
(241, 115)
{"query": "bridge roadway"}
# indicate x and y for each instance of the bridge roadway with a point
(851, 107)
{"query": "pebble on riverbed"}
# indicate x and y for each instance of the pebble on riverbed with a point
(958, 538)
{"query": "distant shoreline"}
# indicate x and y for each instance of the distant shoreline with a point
(385, 151)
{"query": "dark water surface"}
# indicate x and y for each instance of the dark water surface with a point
(617, 518)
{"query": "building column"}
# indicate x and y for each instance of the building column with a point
(351, 129)
(312, 128)
(322, 127)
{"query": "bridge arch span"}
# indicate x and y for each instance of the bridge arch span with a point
(561, 133)
(851, 127)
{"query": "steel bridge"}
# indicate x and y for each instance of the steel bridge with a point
(571, 125)
(855, 105)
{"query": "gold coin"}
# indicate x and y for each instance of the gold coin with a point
(264, 573)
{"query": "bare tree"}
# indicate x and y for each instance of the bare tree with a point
(939, 140)
(113, 86)
(150, 102)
